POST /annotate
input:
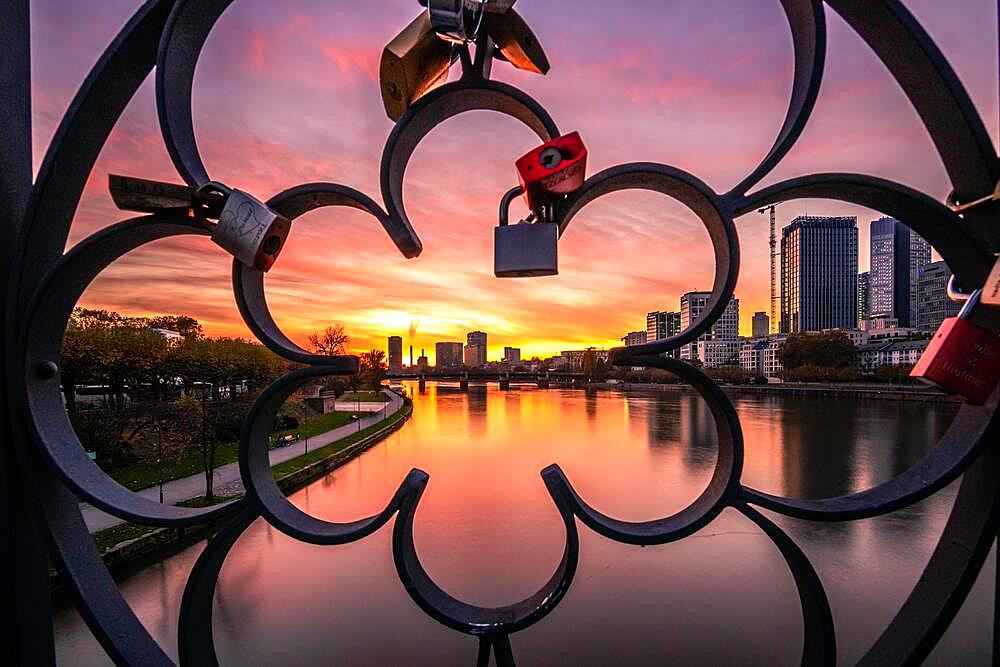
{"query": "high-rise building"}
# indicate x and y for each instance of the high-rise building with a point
(475, 349)
(395, 354)
(448, 355)
(633, 338)
(932, 293)
(761, 324)
(661, 324)
(897, 254)
(819, 274)
(726, 328)
(512, 355)
(864, 296)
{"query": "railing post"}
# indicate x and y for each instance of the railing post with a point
(25, 613)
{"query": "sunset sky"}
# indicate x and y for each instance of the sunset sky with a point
(287, 93)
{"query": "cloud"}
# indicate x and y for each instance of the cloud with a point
(286, 93)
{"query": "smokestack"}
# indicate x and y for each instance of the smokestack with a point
(411, 355)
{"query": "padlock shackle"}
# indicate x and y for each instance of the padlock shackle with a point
(505, 202)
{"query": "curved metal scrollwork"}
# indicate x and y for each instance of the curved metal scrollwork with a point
(170, 34)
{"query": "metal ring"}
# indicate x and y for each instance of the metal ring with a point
(255, 470)
(248, 283)
(702, 201)
(41, 341)
(472, 619)
(808, 27)
(438, 106)
(968, 434)
(819, 643)
(181, 43)
(933, 221)
(717, 495)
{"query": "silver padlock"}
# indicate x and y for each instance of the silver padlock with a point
(456, 20)
(249, 230)
(527, 249)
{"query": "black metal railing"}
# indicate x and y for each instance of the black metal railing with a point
(45, 472)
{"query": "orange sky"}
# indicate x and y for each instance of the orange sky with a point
(287, 93)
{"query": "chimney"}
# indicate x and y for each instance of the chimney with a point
(411, 355)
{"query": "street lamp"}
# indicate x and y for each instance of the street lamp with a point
(159, 458)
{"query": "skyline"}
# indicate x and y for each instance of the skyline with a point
(730, 91)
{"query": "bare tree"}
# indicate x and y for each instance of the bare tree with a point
(331, 341)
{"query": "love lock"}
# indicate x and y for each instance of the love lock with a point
(247, 228)
(962, 358)
(525, 250)
(553, 170)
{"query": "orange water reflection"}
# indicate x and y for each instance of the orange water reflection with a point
(486, 530)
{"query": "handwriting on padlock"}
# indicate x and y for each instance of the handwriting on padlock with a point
(991, 290)
(962, 358)
(250, 231)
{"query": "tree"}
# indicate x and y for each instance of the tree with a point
(829, 349)
(331, 341)
(895, 374)
(372, 368)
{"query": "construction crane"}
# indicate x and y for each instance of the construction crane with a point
(773, 325)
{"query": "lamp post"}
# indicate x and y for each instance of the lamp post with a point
(305, 424)
(159, 458)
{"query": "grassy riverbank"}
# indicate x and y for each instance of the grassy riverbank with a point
(111, 537)
(144, 475)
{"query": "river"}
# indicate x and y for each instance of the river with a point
(488, 532)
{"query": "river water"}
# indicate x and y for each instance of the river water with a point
(487, 531)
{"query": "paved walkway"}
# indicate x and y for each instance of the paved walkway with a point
(229, 474)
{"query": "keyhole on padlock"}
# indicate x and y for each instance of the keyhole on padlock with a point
(550, 158)
(271, 245)
(394, 91)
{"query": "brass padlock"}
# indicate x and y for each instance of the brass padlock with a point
(145, 196)
(962, 358)
(525, 250)
(516, 42)
(250, 231)
(499, 6)
(415, 61)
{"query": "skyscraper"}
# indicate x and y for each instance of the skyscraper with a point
(819, 274)
(661, 324)
(395, 354)
(475, 349)
(896, 256)
(932, 292)
(512, 355)
(761, 324)
(864, 296)
(726, 328)
(448, 355)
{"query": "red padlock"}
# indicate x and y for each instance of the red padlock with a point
(962, 358)
(553, 170)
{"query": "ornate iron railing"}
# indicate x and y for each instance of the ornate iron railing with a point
(45, 472)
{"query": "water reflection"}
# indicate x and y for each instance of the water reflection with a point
(488, 533)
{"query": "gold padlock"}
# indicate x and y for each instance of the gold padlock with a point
(499, 6)
(516, 41)
(412, 63)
